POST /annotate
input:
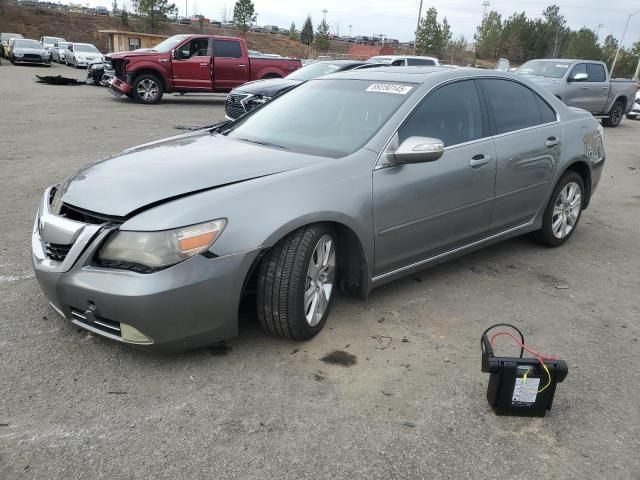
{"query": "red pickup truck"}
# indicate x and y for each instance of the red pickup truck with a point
(191, 63)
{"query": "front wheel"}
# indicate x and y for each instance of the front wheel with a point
(563, 211)
(147, 89)
(296, 281)
(615, 115)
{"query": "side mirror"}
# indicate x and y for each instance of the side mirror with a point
(417, 150)
(579, 77)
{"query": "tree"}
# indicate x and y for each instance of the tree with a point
(155, 11)
(292, 31)
(513, 38)
(306, 35)
(432, 37)
(114, 7)
(488, 36)
(322, 36)
(244, 14)
(556, 28)
(582, 44)
(456, 51)
(609, 48)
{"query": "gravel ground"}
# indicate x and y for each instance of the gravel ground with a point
(75, 406)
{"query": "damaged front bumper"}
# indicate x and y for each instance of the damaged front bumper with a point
(119, 87)
(188, 305)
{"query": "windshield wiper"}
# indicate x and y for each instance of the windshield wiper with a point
(266, 144)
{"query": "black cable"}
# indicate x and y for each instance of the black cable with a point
(510, 326)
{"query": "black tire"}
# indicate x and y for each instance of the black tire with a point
(147, 100)
(282, 282)
(615, 115)
(545, 235)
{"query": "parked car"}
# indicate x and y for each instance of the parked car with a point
(634, 113)
(4, 42)
(251, 95)
(81, 54)
(216, 23)
(350, 180)
(405, 60)
(49, 42)
(58, 52)
(23, 50)
(185, 63)
(584, 84)
(256, 29)
(184, 21)
(271, 29)
(102, 11)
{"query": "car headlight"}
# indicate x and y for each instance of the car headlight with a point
(18, 54)
(160, 249)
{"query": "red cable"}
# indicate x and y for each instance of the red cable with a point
(538, 355)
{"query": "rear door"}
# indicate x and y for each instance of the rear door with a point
(191, 65)
(528, 140)
(230, 66)
(423, 209)
(591, 93)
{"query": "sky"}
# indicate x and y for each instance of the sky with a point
(397, 18)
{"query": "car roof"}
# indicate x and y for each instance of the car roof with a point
(396, 57)
(418, 75)
(339, 62)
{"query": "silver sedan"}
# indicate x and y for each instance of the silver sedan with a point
(348, 181)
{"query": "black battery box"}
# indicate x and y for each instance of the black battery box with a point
(520, 386)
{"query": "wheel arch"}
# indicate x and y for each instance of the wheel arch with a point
(353, 260)
(581, 167)
(149, 71)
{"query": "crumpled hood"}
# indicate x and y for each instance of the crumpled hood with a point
(156, 172)
(267, 88)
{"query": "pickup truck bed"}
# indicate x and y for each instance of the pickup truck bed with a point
(192, 63)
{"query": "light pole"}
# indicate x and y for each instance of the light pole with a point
(615, 59)
(415, 40)
(598, 27)
(324, 14)
(186, 10)
(350, 26)
(485, 4)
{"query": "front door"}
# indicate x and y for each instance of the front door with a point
(591, 93)
(191, 65)
(423, 209)
(528, 140)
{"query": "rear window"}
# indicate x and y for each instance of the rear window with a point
(227, 49)
(596, 72)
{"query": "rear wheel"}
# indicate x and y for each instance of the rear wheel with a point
(147, 89)
(296, 280)
(563, 211)
(615, 115)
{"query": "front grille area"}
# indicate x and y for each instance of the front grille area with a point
(56, 251)
(103, 324)
(233, 107)
(32, 57)
(84, 216)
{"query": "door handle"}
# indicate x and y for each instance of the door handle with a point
(204, 64)
(479, 160)
(242, 65)
(604, 88)
(585, 88)
(552, 142)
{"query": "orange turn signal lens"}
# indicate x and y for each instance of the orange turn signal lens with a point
(197, 242)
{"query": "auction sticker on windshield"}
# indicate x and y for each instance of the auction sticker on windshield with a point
(389, 88)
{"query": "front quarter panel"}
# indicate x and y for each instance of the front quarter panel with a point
(262, 211)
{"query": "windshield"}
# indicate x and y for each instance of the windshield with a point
(50, 40)
(384, 60)
(314, 70)
(78, 47)
(170, 43)
(330, 118)
(544, 68)
(26, 44)
(63, 45)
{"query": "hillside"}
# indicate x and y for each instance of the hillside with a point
(35, 22)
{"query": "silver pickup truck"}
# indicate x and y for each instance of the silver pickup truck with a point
(584, 84)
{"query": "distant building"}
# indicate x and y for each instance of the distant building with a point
(364, 52)
(122, 41)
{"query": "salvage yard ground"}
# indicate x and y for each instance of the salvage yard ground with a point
(406, 400)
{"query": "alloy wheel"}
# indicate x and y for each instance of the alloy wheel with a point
(148, 90)
(566, 210)
(320, 279)
(616, 115)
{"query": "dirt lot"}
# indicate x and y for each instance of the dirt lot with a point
(75, 406)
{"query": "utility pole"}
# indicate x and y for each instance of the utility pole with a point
(350, 26)
(415, 41)
(636, 76)
(186, 10)
(615, 59)
(485, 4)
(324, 13)
(598, 27)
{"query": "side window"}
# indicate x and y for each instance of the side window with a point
(452, 113)
(514, 106)
(398, 63)
(227, 49)
(547, 114)
(420, 61)
(198, 47)
(596, 72)
(579, 68)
